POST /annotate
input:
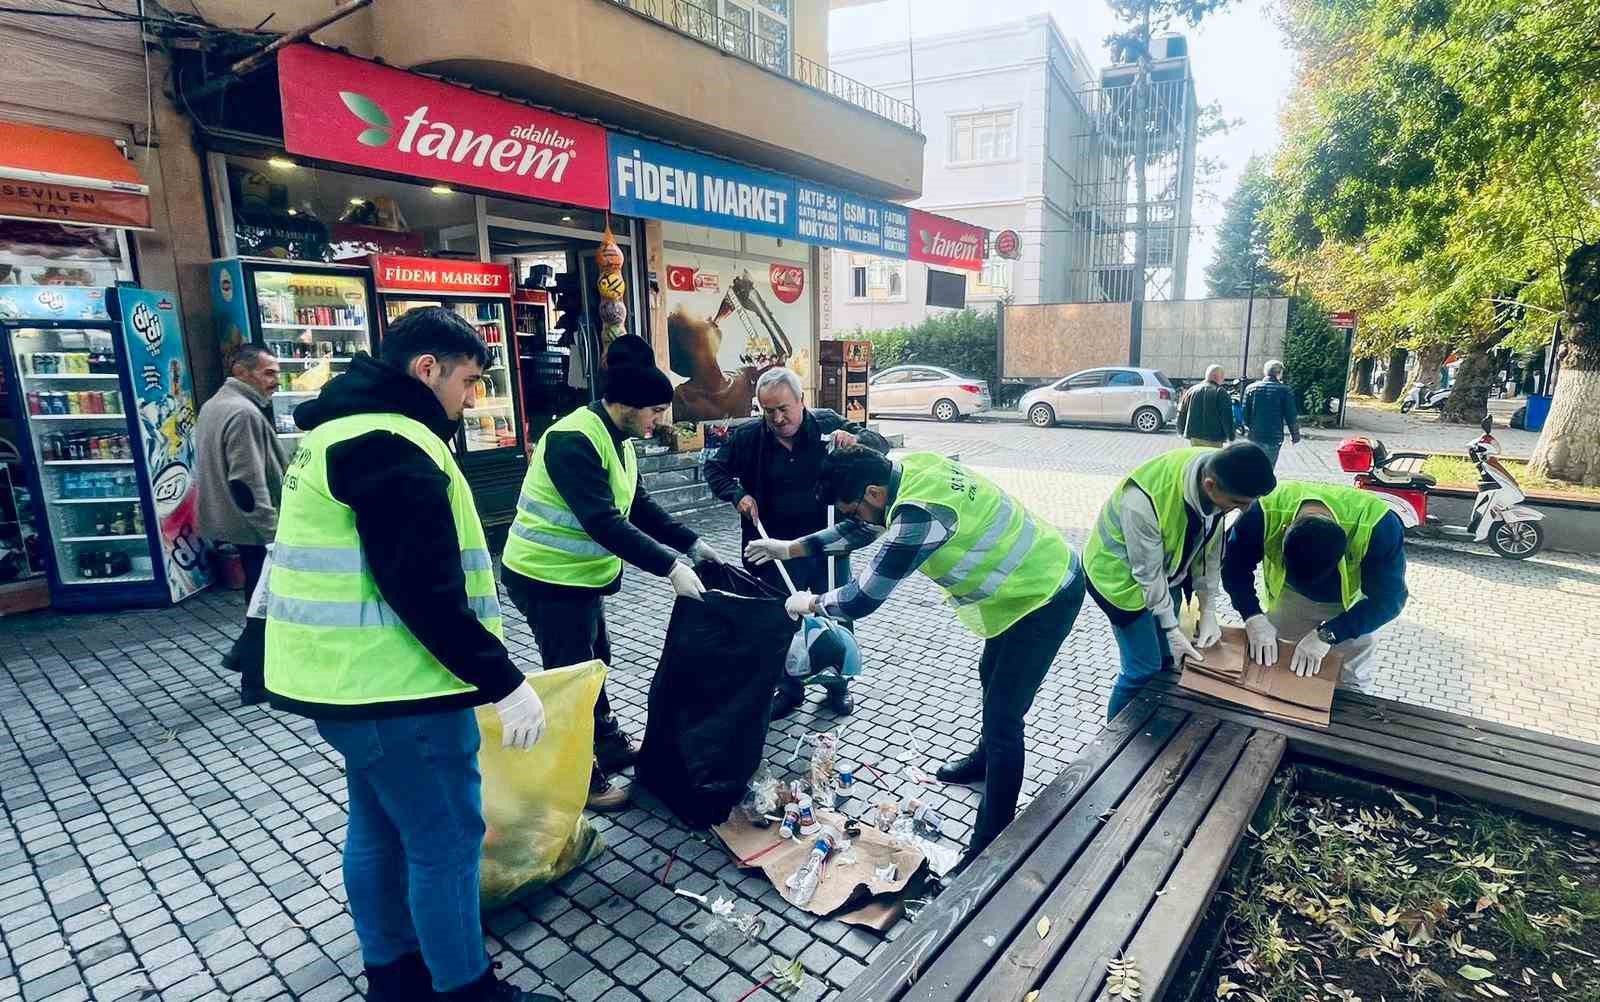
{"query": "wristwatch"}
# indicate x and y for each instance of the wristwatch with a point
(1326, 635)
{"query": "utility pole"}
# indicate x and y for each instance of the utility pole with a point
(1249, 314)
(1141, 153)
(911, 57)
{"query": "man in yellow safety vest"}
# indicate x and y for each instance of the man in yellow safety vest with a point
(1010, 575)
(383, 626)
(581, 515)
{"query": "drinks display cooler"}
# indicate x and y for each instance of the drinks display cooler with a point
(99, 384)
(491, 443)
(313, 316)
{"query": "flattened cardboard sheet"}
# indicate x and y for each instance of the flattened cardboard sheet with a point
(1227, 673)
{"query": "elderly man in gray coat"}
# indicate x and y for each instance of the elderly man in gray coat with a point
(239, 472)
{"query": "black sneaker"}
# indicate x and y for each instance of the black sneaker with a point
(969, 768)
(405, 980)
(605, 795)
(840, 700)
(786, 700)
(490, 988)
(612, 746)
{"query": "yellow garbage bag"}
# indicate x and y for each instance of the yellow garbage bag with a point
(533, 800)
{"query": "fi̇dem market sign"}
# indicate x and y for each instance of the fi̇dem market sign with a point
(337, 107)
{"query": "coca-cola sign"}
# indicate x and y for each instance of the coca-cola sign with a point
(945, 241)
(788, 281)
(349, 110)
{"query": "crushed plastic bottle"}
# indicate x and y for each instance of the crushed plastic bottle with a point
(803, 885)
(925, 819)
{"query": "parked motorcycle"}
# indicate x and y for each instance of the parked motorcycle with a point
(1424, 397)
(1498, 517)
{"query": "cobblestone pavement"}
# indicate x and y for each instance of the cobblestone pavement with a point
(158, 842)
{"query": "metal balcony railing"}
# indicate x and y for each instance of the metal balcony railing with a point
(771, 52)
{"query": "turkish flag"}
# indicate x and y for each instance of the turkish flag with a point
(680, 279)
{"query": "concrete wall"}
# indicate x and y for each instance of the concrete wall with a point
(1051, 340)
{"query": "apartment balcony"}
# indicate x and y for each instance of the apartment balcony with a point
(674, 70)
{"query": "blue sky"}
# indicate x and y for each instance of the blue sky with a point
(1240, 59)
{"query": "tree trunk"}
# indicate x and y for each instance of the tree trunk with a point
(1569, 445)
(1363, 376)
(1469, 394)
(1394, 377)
(1429, 358)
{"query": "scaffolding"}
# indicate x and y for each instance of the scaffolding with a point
(1105, 201)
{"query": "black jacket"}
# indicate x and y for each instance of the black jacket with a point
(1206, 411)
(737, 468)
(1268, 409)
(646, 538)
(407, 530)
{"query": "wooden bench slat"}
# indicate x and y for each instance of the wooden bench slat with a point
(1583, 748)
(1556, 756)
(938, 924)
(1082, 969)
(1071, 901)
(1158, 947)
(1571, 775)
(998, 919)
(1456, 776)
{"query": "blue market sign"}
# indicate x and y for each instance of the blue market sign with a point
(656, 181)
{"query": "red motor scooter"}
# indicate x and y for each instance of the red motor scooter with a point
(1498, 517)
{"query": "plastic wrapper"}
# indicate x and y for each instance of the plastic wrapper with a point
(533, 800)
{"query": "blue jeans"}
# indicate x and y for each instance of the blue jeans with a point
(414, 840)
(1271, 448)
(1142, 645)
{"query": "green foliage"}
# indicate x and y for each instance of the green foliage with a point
(964, 342)
(1313, 352)
(1241, 239)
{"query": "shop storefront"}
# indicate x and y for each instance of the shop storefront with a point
(719, 260)
(96, 398)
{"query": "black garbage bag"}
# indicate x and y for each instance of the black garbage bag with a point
(711, 699)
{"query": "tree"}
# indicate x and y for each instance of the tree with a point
(1313, 354)
(1241, 241)
(1456, 141)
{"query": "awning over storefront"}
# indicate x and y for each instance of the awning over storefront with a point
(69, 177)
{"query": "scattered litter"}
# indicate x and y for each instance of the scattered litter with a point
(690, 894)
(888, 872)
(763, 796)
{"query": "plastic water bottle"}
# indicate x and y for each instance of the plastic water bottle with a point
(805, 880)
(927, 820)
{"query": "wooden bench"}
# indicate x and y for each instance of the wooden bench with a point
(1121, 853)
(1543, 775)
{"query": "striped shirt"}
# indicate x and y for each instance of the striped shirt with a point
(918, 531)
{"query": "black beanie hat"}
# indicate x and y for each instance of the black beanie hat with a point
(631, 376)
(1312, 549)
(1242, 469)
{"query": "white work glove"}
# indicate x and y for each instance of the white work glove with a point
(1210, 630)
(521, 718)
(1308, 654)
(685, 582)
(801, 603)
(1179, 646)
(765, 551)
(1263, 639)
(701, 552)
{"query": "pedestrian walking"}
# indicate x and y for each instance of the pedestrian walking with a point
(583, 513)
(768, 470)
(1205, 411)
(384, 627)
(239, 467)
(1157, 536)
(1333, 564)
(1011, 576)
(1269, 409)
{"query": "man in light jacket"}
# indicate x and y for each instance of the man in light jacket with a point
(239, 469)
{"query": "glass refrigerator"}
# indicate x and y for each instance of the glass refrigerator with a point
(106, 401)
(490, 444)
(313, 316)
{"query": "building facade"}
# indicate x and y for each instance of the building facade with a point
(1000, 107)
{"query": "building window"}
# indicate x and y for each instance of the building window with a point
(986, 137)
(995, 279)
(858, 283)
(879, 279)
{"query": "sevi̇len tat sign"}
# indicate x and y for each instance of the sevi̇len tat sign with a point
(348, 110)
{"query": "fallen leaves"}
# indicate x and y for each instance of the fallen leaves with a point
(1122, 980)
(1043, 926)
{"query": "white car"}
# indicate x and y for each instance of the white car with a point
(927, 389)
(1118, 395)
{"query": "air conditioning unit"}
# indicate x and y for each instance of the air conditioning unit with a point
(1168, 45)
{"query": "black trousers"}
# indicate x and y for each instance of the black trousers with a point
(249, 653)
(569, 631)
(1012, 668)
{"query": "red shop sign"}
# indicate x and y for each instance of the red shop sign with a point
(788, 281)
(427, 274)
(942, 240)
(682, 278)
(348, 110)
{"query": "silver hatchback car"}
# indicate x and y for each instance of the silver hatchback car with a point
(925, 390)
(1142, 398)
